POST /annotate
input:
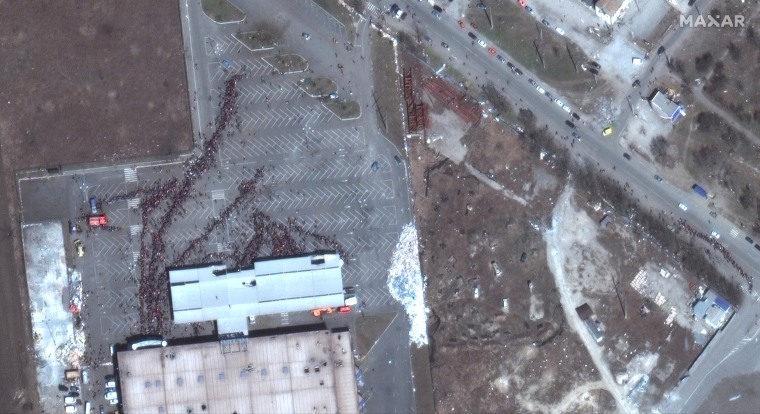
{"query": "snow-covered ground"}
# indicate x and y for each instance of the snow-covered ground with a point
(406, 285)
(58, 346)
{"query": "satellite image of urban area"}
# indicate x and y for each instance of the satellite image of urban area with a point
(380, 206)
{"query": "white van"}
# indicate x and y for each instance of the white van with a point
(71, 408)
(87, 407)
(69, 400)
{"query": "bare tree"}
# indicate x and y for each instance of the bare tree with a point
(499, 101)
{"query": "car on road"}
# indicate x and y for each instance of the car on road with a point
(749, 239)
(559, 103)
(518, 72)
(445, 45)
(472, 35)
(532, 82)
(79, 247)
(110, 394)
(437, 10)
(636, 83)
(567, 109)
(570, 124)
(576, 135)
(306, 35)
(540, 89)
(492, 51)
(462, 25)
(757, 246)
(546, 23)
(637, 61)
(595, 65)
(683, 207)
(657, 178)
(550, 96)
(398, 159)
(607, 131)
(474, 25)
(627, 156)
(713, 214)
(501, 58)
(715, 235)
(482, 43)
(511, 66)
(529, 9)
(576, 116)
(559, 30)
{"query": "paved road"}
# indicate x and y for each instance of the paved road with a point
(663, 196)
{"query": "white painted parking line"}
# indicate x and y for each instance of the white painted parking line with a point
(130, 175)
(135, 256)
(217, 195)
(735, 232)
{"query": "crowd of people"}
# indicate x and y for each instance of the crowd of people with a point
(719, 247)
(164, 203)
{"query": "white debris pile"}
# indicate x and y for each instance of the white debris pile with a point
(405, 284)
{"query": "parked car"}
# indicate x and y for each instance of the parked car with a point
(567, 109)
(306, 35)
(715, 235)
(445, 45)
(501, 58)
(398, 159)
(607, 131)
(437, 10)
(749, 239)
(576, 135)
(375, 166)
(576, 116)
(570, 124)
(683, 207)
(482, 43)
(657, 178)
(532, 82)
(713, 214)
(546, 23)
(227, 65)
(511, 66)
(529, 9)
(560, 31)
(518, 72)
(627, 156)
(79, 247)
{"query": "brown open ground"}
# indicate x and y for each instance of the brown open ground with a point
(98, 81)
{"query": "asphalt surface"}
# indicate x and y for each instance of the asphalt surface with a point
(737, 341)
(318, 170)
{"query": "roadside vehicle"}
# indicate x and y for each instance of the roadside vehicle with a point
(462, 25)
(472, 35)
(715, 235)
(560, 31)
(657, 178)
(576, 116)
(501, 58)
(492, 51)
(713, 214)
(306, 35)
(570, 124)
(576, 135)
(567, 109)
(683, 207)
(529, 9)
(546, 23)
(518, 72)
(79, 247)
(344, 309)
(482, 43)
(607, 131)
(445, 45)
(749, 239)
(627, 156)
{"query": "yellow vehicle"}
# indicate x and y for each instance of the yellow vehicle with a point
(607, 131)
(79, 246)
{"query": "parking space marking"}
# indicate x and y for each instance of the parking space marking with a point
(735, 232)
(130, 175)
(133, 203)
(217, 195)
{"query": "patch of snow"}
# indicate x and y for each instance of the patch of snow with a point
(405, 283)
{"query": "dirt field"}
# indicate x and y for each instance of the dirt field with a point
(486, 357)
(101, 81)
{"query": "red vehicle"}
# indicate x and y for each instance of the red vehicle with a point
(492, 51)
(461, 24)
(344, 309)
(97, 221)
(474, 26)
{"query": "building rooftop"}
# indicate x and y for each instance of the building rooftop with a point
(292, 284)
(290, 373)
(666, 107)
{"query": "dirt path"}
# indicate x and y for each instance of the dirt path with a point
(556, 260)
(493, 184)
(730, 119)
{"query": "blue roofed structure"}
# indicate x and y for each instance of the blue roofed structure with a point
(665, 107)
(715, 310)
